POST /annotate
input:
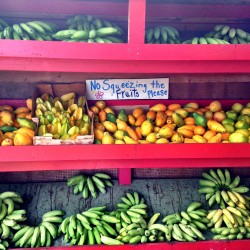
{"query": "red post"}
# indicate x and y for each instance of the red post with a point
(136, 21)
(124, 176)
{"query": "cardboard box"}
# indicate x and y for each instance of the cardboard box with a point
(57, 90)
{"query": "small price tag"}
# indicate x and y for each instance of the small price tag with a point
(120, 89)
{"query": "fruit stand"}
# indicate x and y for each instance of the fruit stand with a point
(198, 73)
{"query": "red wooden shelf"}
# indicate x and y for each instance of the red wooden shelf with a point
(204, 245)
(117, 58)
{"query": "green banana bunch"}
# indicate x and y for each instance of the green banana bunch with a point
(206, 40)
(41, 235)
(33, 30)
(11, 216)
(89, 29)
(225, 233)
(220, 188)
(229, 34)
(162, 35)
(90, 185)
(186, 225)
(86, 228)
(131, 210)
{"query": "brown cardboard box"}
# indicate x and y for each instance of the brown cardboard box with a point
(57, 90)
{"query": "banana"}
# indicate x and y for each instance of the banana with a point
(126, 201)
(91, 214)
(153, 219)
(233, 184)
(27, 236)
(232, 33)
(102, 176)
(18, 29)
(199, 225)
(109, 229)
(19, 234)
(195, 40)
(7, 32)
(149, 34)
(176, 237)
(219, 222)
(207, 183)
(205, 190)
(209, 177)
(136, 198)
(42, 235)
(228, 214)
(98, 181)
(240, 189)
(106, 31)
(197, 232)
(218, 197)
(46, 26)
(109, 219)
(202, 40)
(85, 192)
(10, 205)
(51, 228)
(29, 30)
(218, 27)
(53, 219)
(233, 197)
(211, 40)
(159, 227)
(35, 236)
(9, 194)
(4, 211)
(53, 213)
(225, 30)
(215, 176)
(125, 217)
(221, 176)
(212, 200)
(110, 241)
(234, 211)
(90, 185)
(5, 231)
(217, 215)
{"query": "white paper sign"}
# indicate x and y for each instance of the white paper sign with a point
(120, 89)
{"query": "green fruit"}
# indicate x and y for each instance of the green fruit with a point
(237, 138)
(111, 117)
(245, 118)
(122, 115)
(229, 128)
(245, 132)
(237, 107)
(232, 115)
(200, 120)
(228, 121)
(241, 125)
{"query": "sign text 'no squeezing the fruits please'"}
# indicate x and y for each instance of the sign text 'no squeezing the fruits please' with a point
(118, 89)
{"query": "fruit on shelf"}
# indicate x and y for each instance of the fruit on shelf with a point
(205, 40)
(62, 117)
(90, 29)
(90, 186)
(16, 126)
(229, 34)
(162, 35)
(174, 123)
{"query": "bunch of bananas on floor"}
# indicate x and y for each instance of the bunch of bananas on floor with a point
(41, 235)
(231, 220)
(162, 35)
(62, 117)
(86, 228)
(219, 187)
(187, 225)
(32, 30)
(89, 29)
(11, 216)
(205, 40)
(229, 34)
(90, 185)
(142, 231)
(131, 209)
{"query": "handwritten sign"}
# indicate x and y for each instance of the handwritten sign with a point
(119, 89)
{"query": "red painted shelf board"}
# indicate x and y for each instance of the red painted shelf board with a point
(33, 158)
(117, 58)
(205, 245)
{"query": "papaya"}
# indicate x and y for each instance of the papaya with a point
(209, 134)
(143, 142)
(7, 142)
(140, 120)
(129, 140)
(160, 119)
(151, 115)
(182, 112)
(7, 117)
(131, 120)
(159, 107)
(178, 120)
(215, 106)
(107, 138)
(177, 138)
(22, 139)
(147, 127)
(193, 105)
(138, 132)
(110, 126)
(215, 139)
(26, 123)
(102, 116)
(98, 134)
(122, 115)
(132, 134)
(162, 141)
(199, 139)
(100, 104)
(185, 132)
(200, 120)
(165, 132)
(151, 137)
(21, 110)
(119, 141)
(111, 117)
(137, 112)
(174, 106)
(94, 109)
(28, 131)
(109, 110)
(121, 125)
(216, 126)
(245, 111)
(237, 107)
(237, 137)
(29, 103)
(232, 115)
(6, 128)
(119, 134)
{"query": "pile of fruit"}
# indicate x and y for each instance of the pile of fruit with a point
(80, 29)
(172, 124)
(228, 217)
(62, 117)
(162, 35)
(16, 126)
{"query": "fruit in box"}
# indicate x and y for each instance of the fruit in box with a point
(173, 123)
(16, 125)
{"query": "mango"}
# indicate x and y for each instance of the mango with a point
(232, 115)
(241, 125)
(110, 126)
(245, 111)
(219, 116)
(21, 139)
(237, 138)
(237, 107)
(151, 138)
(137, 112)
(111, 117)
(147, 127)
(216, 126)
(200, 120)
(7, 142)
(107, 138)
(119, 134)
(122, 115)
(177, 138)
(100, 104)
(158, 107)
(245, 118)
(165, 132)
(26, 123)
(215, 106)
(7, 117)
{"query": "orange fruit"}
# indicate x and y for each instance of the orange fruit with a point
(7, 142)
(199, 130)
(22, 139)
